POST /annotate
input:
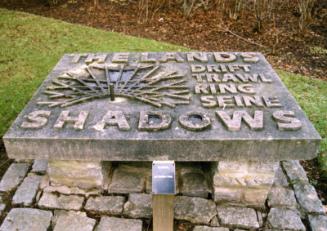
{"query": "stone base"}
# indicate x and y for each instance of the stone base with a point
(82, 174)
(243, 183)
(292, 202)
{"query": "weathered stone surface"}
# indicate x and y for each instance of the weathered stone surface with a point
(26, 219)
(285, 219)
(295, 171)
(74, 221)
(26, 192)
(40, 166)
(119, 224)
(110, 205)
(281, 197)
(62, 189)
(238, 217)
(13, 176)
(194, 184)
(207, 228)
(2, 208)
(245, 173)
(228, 195)
(195, 210)
(128, 179)
(117, 125)
(308, 198)
(82, 174)
(71, 202)
(318, 222)
(280, 178)
(138, 206)
(214, 222)
(244, 182)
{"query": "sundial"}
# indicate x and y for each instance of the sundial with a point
(193, 106)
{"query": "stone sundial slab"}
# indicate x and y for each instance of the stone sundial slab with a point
(196, 106)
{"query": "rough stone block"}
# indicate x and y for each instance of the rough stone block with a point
(228, 195)
(119, 224)
(194, 209)
(207, 228)
(244, 182)
(110, 205)
(27, 219)
(74, 221)
(194, 184)
(238, 217)
(285, 219)
(318, 222)
(82, 174)
(280, 178)
(26, 192)
(128, 179)
(40, 166)
(281, 197)
(295, 171)
(2, 209)
(255, 196)
(138, 206)
(13, 176)
(308, 198)
(53, 201)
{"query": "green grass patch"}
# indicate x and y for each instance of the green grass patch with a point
(311, 94)
(31, 45)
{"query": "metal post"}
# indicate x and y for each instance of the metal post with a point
(163, 195)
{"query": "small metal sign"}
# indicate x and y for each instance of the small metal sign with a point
(163, 178)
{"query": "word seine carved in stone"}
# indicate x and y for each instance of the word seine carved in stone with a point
(194, 106)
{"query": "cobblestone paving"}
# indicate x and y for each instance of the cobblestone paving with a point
(28, 202)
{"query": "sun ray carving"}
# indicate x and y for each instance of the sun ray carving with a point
(151, 84)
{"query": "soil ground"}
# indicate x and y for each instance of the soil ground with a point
(285, 46)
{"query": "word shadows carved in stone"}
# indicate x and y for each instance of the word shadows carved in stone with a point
(161, 99)
(156, 120)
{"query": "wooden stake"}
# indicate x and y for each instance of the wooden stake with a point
(163, 212)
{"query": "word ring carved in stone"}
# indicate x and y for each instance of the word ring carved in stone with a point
(151, 84)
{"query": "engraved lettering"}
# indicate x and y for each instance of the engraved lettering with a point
(208, 101)
(36, 119)
(246, 88)
(171, 57)
(113, 118)
(250, 57)
(233, 123)
(100, 58)
(201, 88)
(196, 56)
(230, 88)
(225, 101)
(77, 57)
(224, 57)
(195, 121)
(154, 121)
(272, 101)
(120, 57)
(286, 121)
(197, 68)
(78, 121)
(249, 101)
(144, 58)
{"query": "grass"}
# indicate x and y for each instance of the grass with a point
(31, 45)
